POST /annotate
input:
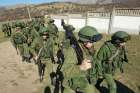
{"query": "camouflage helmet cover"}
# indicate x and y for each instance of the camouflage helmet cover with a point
(44, 31)
(90, 34)
(120, 36)
(48, 19)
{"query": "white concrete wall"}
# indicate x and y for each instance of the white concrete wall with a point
(101, 24)
(127, 23)
(77, 23)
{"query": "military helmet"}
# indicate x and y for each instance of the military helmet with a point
(49, 20)
(120, 36)
(17, 24)
(44, 31)
(89, 34)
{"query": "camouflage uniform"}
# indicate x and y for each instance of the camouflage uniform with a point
(26, 31)
(53, 33)
(43, 49)
(9, 30)
(4, 29)
(76, 79)
(111, 57)
(19, 42)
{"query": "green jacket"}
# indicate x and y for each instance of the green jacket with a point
(18, 38)
(26, 32)
(34, 33)
(53, 30)
(19, 41)
(94, 72)
(4, 28)
(36, 45)
(47, 48)
(110, 57)
(73, 76)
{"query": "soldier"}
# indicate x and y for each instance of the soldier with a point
(68, 30)
(13, 26)
(111, 57)
(9, 28)
(53, 30)
(42, 50)
(4, 29)
(78, 78)
(53, 33)
(19, 40)
(26, 31)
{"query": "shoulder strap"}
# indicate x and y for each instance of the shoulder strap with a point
(114, 52)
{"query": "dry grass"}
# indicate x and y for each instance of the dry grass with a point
(2, 38)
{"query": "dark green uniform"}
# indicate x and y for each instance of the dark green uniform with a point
(19, 42)
(43, 49)
(4, 29)
(111, 57)
(53, 33)
(76, 79)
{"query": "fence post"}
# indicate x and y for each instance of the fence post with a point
(86, 19)
(111, 20)
(68, 19)
(139, 30)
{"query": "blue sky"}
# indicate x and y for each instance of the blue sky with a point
(13, 2)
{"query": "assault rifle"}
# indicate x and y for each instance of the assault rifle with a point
(73, 41)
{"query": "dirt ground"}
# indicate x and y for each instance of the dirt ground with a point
(16, 76)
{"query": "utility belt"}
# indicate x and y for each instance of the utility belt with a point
(108, 67)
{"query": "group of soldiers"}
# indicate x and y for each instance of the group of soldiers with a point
(71, 65)
(6, 29)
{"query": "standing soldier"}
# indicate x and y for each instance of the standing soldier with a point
(4, 29)
(53, 30)
(53, 33)
(42, 50)
(111, 57)
(68, 30)
(13, 26)
(78, 78)
(26, 31)
(18, 40)
(9, 32)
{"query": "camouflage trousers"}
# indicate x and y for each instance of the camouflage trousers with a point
(24, 51)
(111, 83)
(20, 49)
(88, 89)
(50, 68)
(110, 80)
